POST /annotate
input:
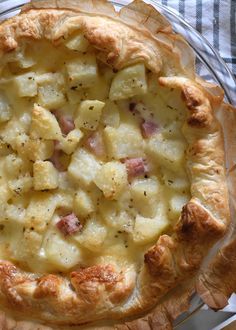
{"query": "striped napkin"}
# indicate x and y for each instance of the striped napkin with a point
(215, 20)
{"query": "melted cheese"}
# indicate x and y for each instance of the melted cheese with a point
(121, 214)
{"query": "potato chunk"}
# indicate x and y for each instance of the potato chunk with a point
(129, 82)
(11, 130)
(147, 230)
(51, 97)
(77, 42)
(63, 254)
(89, 114)
(34, 149)
(83, 167)
(25, 246)
(176, 204)
(168, 153)
(40, 211)
(22, 184)
(92, 236)
(44, 124)
(111, 179)
(15, 214)
(45, 175)
(5, 194)
(13, 165)
(115, 217)
(50, 78)
(83, 204)
(21, 58)
(110, 114)
(145, 194)
(5, 109)
(71, 141)
(176, 181)
(26, 85)
(173, 130)
(82, 71)
(124, 142)
(51, 90)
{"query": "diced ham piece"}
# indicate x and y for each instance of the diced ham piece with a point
(135, 167)
(149, 128)
(95, 144)
(65, 122)
(55, 159)
(57, 145)
(69, 225)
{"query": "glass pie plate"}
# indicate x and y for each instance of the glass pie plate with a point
(209, 65)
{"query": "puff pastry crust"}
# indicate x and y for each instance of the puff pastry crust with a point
(101, 292)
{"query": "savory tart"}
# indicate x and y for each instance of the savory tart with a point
(112, 175)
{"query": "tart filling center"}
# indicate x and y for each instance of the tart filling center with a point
(92, 161)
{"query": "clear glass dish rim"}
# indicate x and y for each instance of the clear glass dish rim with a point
(9, 6)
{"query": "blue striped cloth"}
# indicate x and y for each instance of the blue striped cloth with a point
(216, 21)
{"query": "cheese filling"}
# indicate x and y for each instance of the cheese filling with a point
(92, 161)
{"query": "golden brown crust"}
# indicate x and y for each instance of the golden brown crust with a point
(216, 284)
(161, 317)
(90, 288)
(47, 287)
(182, 253)
(205, 154)
(118, 43)
(103, 291)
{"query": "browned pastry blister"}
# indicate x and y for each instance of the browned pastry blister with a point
(163, 286)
